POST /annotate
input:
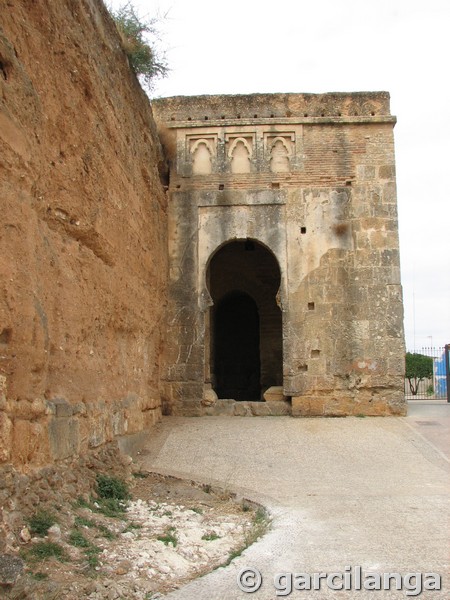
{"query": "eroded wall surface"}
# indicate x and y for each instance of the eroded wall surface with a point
(312, 179)
(83, 243)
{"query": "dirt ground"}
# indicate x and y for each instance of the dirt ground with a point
(170, 532)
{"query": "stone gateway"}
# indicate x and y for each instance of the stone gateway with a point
(284, 286)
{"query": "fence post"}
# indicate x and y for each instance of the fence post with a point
(447, 369)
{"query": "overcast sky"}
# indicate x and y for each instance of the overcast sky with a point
(401, 46)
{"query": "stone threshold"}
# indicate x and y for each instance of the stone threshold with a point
(244, 408)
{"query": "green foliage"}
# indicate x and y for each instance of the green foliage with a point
(234, 554)
(260, 525)
(43, 550)
(110, 507)
(260, 517)
(209, 537)
(92, 559)
(91, 553)
(106, 533)
(113, 495)
(41, 522)
(418, 367)
(132, 527)
(197, 510)
(112, 488)
(81, 502)
(76, 538)
(39, 576)
(140, 475)
(139, 37)
(83, 522)
(169, 537)
(102, 529)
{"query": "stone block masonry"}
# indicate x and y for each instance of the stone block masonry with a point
(283, 253)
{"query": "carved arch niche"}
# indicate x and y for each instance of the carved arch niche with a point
(202, 151)
(280, 151)
(240, 152)
(280, 154)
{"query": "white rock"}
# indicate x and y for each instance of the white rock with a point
(54, 533)
(25, 535)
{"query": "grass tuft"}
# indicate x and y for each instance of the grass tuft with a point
(39, 576)
(83, 522)
(110, 507)
(41, 522)
(44, 550)
(169, 537)
(112, 488)
(140, 475)
(209, 537)
(76, 538)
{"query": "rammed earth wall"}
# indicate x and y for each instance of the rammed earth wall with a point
(83, 248)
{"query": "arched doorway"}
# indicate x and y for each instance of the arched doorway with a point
(245, 322)
(236, 348)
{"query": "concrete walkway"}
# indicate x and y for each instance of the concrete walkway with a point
(368, 492)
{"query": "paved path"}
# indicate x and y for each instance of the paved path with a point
(369, 492)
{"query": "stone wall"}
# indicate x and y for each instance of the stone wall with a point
(310, 179)
(83, 248)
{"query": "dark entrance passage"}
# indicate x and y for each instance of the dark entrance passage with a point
(245, 323)
(236, 349)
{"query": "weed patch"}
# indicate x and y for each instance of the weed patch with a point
(106, 533)
(41, 522)
(43, 550)
(91, 555)
(169, 537)
(39, 576)
(77, 539)
(83, 522)
(140, 475)
(112, 488)
(110, 507)
(209, 537)
(131, 527)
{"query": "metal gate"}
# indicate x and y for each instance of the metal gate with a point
(436, 386)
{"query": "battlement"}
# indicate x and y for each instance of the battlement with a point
(337, 107)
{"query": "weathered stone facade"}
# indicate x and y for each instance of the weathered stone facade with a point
(283, 250)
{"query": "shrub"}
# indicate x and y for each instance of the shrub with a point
(41, 522)
(112, 488)
(138, 38)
